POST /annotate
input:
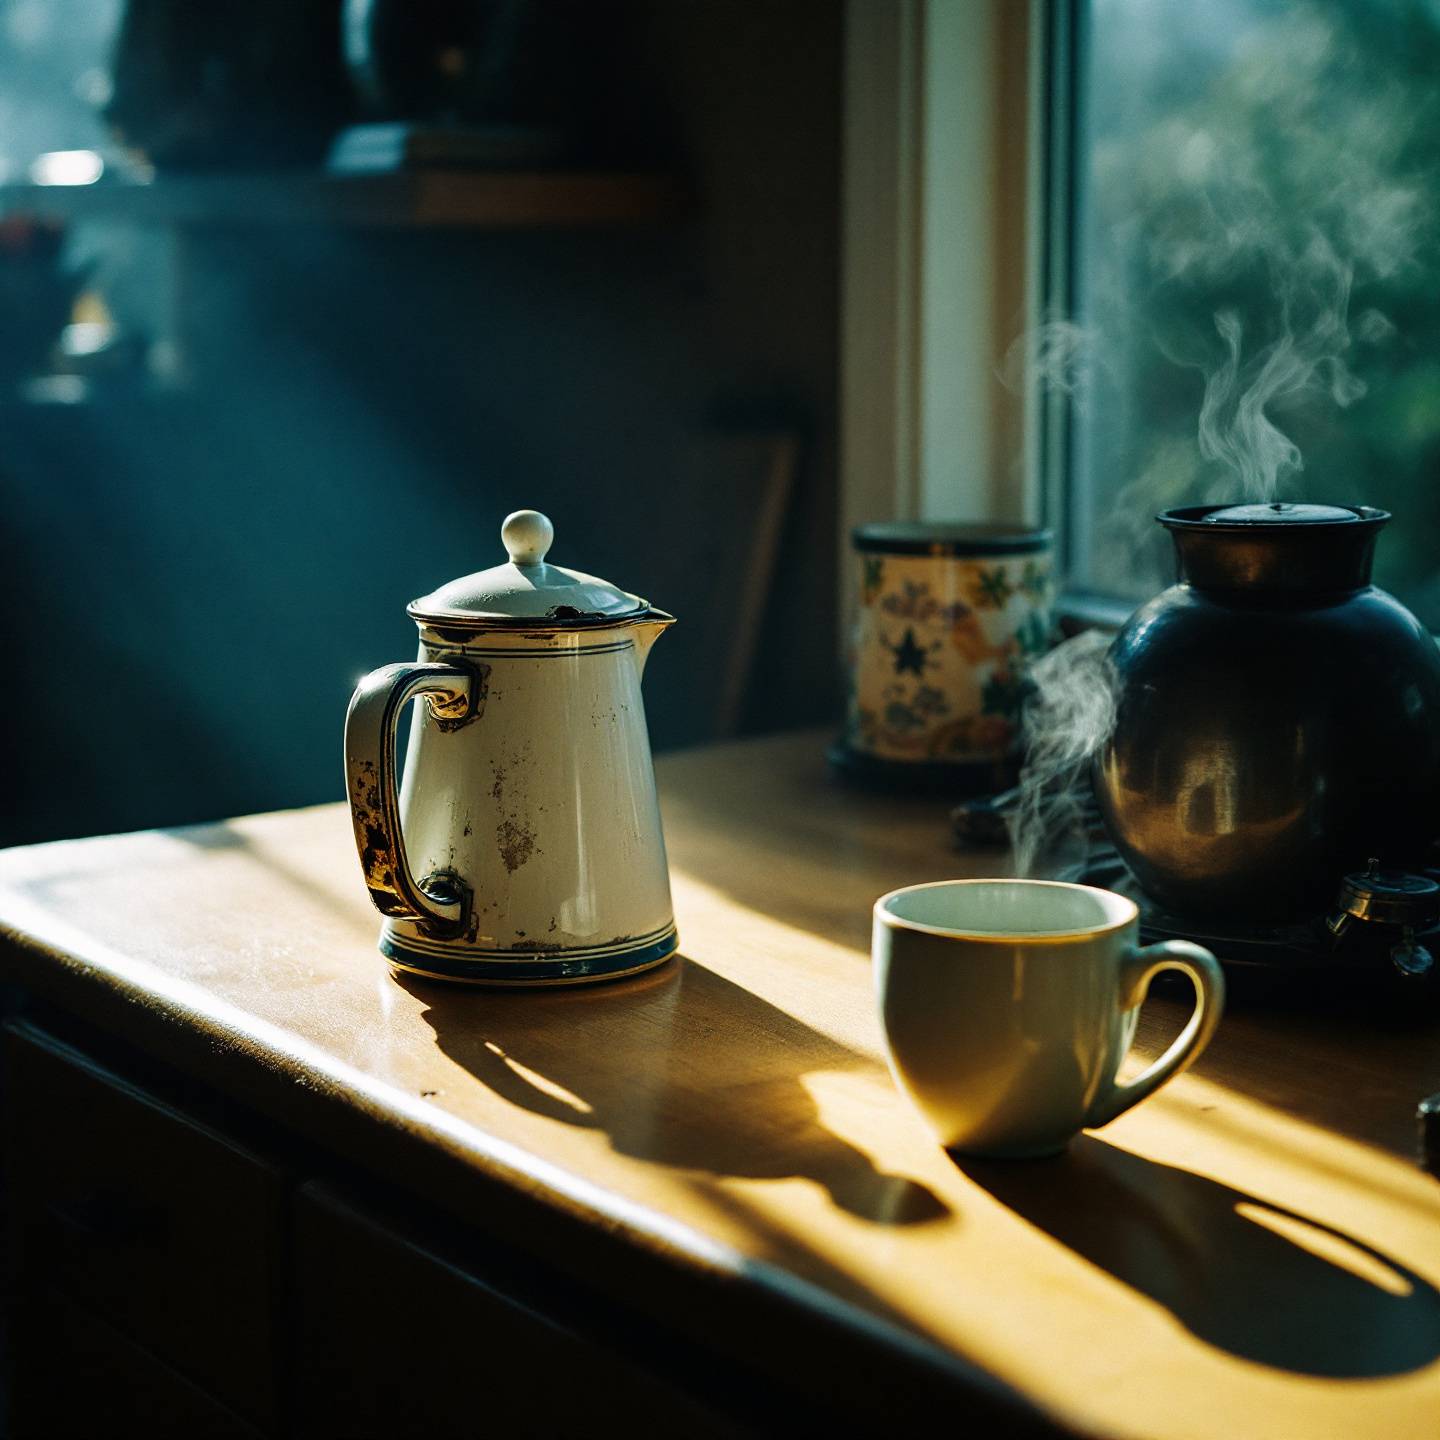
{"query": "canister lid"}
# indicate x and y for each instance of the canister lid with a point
(526, 587)
(945, 537)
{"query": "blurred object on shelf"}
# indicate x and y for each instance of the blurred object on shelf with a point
(397, 145)
(482, 62)
(198, 86)
(67, 167)
(55, 390)
(88, 351)
(54, 78)
(37, 293)
(487, 83)
(100, 351)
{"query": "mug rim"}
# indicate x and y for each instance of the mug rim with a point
(899, 922)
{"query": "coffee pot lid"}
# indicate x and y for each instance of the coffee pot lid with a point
(1280, 512)
(526, 587)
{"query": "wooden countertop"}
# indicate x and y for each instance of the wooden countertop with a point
(1250, 1253)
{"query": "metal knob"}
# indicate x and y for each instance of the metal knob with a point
(1411, 960)
(1387, 897)
(1393, 900)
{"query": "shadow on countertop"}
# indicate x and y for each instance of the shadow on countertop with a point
(679, 1067)
(1246, 1276)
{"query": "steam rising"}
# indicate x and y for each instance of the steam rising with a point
(1227, 230)
(1059, 356)
(1225, 241)
(1235, 426)
(1069, 715)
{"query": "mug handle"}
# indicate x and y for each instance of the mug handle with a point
(456, 696)
(1137, 970)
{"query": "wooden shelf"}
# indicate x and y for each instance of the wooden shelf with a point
(485, 200)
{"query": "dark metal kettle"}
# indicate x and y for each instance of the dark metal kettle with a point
(1277, 716)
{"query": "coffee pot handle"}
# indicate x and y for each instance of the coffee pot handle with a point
(1137, 970)
(455, 694)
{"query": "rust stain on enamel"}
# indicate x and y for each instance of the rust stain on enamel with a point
(516, 844)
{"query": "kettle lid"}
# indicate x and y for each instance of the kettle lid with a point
(526, 587)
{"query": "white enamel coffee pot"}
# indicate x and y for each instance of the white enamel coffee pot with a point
(524, 846)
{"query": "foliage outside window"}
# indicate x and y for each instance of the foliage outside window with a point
(1255, 303)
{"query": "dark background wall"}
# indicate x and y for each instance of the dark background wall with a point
(192, 581)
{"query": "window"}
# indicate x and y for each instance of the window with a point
(1251, 201)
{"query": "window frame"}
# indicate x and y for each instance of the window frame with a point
(943, 254)
(907, 162)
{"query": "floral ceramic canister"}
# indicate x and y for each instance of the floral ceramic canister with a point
(950, 617)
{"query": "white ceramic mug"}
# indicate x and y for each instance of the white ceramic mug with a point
(1008, 1006)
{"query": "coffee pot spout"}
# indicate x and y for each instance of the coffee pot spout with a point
(648, 629)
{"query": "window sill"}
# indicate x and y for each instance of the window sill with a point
(1085, 610)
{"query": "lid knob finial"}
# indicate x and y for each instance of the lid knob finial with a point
(527, 535)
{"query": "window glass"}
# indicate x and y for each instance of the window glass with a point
(1254, 273)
